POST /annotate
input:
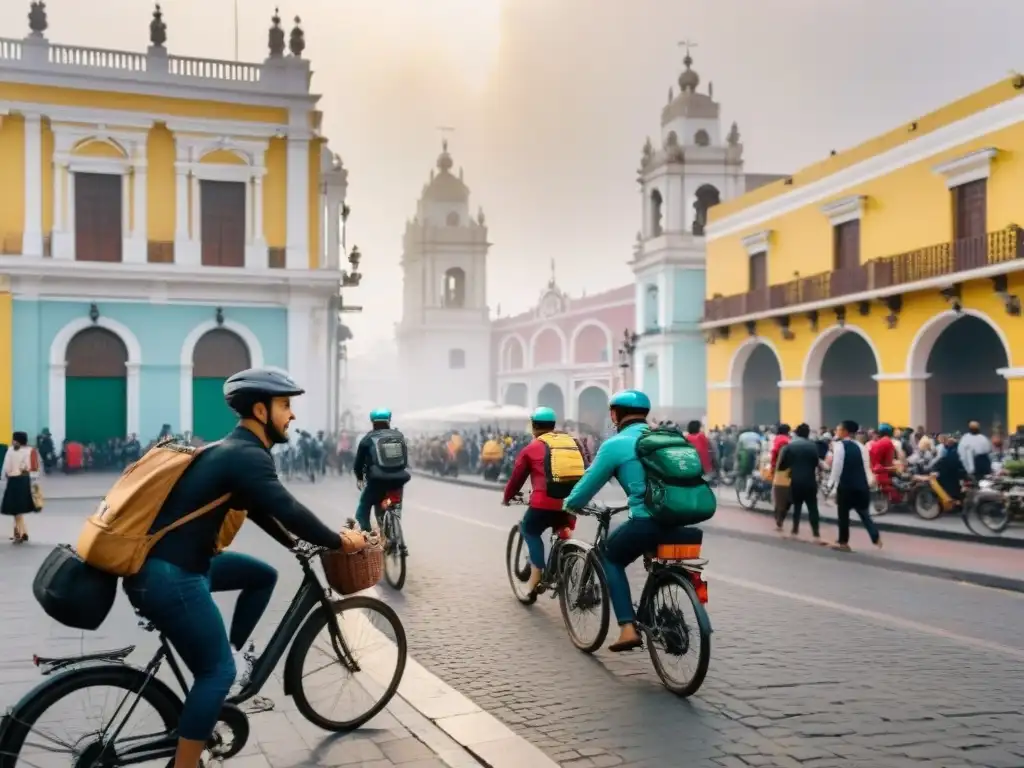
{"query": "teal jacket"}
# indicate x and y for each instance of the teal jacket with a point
(615, 458)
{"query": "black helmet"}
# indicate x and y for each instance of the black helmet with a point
(245, 388)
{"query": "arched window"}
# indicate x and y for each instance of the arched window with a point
(701, 138)
(656, 202)
(651, 310)
(456, 359)
(452, 220)
(454, 288)
(707, 196)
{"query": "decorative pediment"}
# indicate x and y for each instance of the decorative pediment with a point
(973, 166)
(758, 242)
(844, 209)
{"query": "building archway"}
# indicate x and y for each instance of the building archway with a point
(550, 396)
(516, 394)
(754, 375)
(513, 353)
(219, 353)
(706, 197)
(547, 347)
(96, 387)
(957, 361)
(593, 409)
(839, 378)
(591, 342)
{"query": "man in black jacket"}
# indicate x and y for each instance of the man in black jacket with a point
(800, 457)
(380, 465)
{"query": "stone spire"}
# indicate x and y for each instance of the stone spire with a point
(157, 28)
(734, 135)
(37, 22)
(297, 41)
(275, 38)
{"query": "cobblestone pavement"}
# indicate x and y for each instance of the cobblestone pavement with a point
(279, 738)
(817, 661)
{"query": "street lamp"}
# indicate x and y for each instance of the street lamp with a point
(353, 276)
(626, 351)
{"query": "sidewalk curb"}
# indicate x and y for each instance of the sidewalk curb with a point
(903, 566)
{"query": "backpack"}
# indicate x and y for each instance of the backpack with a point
(563, 463)
(116, 538)
(677, 493)
(390, 452)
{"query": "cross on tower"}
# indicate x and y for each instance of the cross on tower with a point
(687, 44)
(445, 130)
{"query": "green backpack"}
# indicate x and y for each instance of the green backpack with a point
(677, 493)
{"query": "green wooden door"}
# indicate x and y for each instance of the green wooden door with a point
(96, 408)
(211, 417)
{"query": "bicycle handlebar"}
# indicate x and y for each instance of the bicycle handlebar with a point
(597, 508)
(303, 550)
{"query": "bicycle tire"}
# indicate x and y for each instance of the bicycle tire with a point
(513, 549)
(396, 543)
(304, 639)
(744, 491)
(589, 558)
(27, 712)
(668, 576)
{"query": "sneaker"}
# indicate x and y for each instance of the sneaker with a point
(245, 660)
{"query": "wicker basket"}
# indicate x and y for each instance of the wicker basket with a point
(349, 573)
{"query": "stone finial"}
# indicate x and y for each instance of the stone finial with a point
(671, 94)
(734, 135)
(480, 218)
(297, 40)
(711, 90)
(157, 28)
(648, 151)
(275, 39)
(37, 22)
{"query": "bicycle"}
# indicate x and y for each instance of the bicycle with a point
(560, 553)
(753, 491)
(395, 551)
(672, 565)
(304, 619)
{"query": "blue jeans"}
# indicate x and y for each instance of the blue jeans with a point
(180, 605)
(627, 543)
(371, 496)
(532, 527)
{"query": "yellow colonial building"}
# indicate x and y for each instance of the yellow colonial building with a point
(164, 222)
(882, 283)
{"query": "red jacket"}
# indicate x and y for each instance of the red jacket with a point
(530, 464)
(703, 445)
(781, 441)
(882, 453)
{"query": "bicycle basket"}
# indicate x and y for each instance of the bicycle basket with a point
(348, 573)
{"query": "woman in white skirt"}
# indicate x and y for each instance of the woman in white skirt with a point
(20, 469)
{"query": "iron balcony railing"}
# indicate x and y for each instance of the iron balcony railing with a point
(959, 256)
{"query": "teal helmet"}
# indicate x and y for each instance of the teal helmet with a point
(633, 399)
(380, 414)
(885, 429)
(544, 415)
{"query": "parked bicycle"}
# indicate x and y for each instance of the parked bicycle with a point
(668, 633)
(395, 551)
(753, 491)
(112, 745)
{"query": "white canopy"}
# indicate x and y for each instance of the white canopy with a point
(474, 412)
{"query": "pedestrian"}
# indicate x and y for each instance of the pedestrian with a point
(780, 480)
(852, 478)
(801, 459)
(976, 452)
(20, 467)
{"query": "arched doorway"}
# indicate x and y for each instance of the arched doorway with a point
(593, 409)
(550, 396)
(760, 387)
(96, 387)
(964, 385)
(515, 394)
(848, 389)
(218, 354)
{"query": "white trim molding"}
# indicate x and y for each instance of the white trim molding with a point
(956, 134)
(58, 372)
(973, 166)
(504, 348)
(845, 209)
(1011, 373)
(759, 242)
(188, 348)
(928, 334)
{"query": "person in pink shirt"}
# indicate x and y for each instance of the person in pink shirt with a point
(700, 441)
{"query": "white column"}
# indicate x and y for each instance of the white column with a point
(812, 402)
(62, 246)
(57, 407)
(297, 252)
(300, 355)
(137, 251)
(126, 208)
(196, 231)
(59, 169)
(333, 232)
(249, 213)
(180, 203)
(134, 396)
(32, 237)
(256, 247)
(258, 235)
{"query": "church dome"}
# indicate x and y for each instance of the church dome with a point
(688, 80)
(445, 187)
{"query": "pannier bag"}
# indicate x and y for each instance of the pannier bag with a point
(71, 591)
(563, 463)
(677, 493)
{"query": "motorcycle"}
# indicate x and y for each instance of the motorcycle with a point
(997, 502)
(912, 492)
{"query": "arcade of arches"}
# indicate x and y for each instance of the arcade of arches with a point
(96, 387)
(591, 403)
(957, 370)
(219, 353)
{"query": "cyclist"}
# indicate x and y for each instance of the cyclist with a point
(380, 465)
(173, 588)
(544, 511)
(640, 533)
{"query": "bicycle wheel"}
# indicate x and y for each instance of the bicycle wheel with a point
(517, 564)
(32, 731)
(394, 552)
(747, 493)
(379, 661)
(667, 627)
(879, 502)
(583, 589)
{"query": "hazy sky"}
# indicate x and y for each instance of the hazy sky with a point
(552, 100)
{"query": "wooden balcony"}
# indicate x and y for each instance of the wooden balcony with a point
(960, 257)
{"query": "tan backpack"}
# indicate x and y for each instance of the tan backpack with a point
(116, 537)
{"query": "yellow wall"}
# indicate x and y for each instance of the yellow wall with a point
(950, 113)
(314, 203)
(12, 171)
(893, 347)
(6, 362)
(160, 184)
(275, 194)
(222, 157)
